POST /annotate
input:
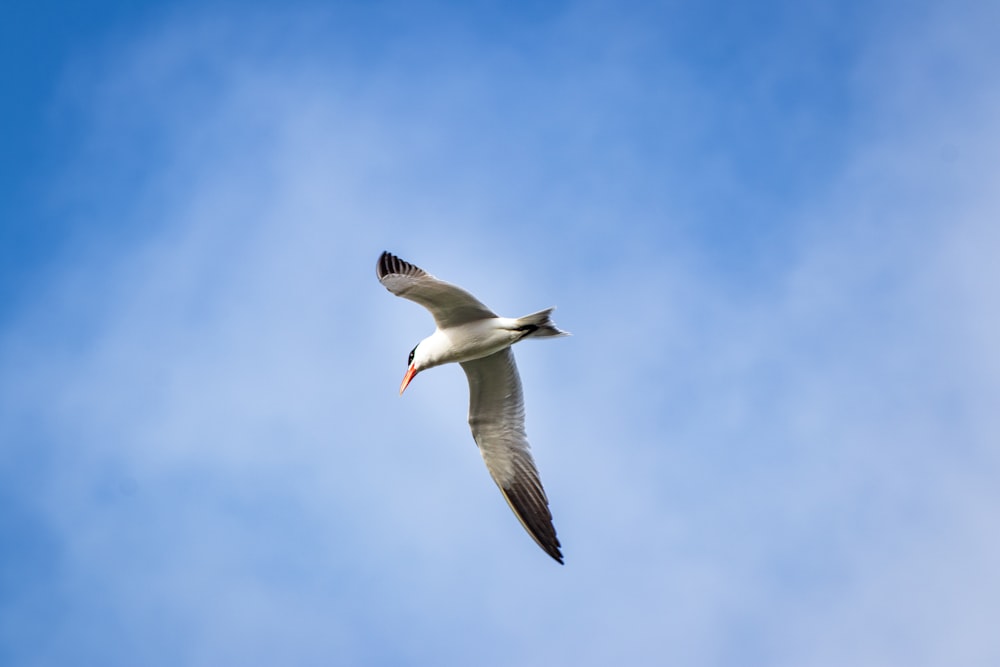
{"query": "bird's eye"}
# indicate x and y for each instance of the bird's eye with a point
(410, 360)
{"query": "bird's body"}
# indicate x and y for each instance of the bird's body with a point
(472, 340)
(474, 336)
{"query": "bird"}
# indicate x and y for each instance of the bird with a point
(479, 340)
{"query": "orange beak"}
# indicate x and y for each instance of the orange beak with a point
(410, 373)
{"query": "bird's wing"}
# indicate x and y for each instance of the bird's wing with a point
(450, 305)
(496, 416)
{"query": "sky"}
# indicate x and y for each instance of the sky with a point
(771, 227)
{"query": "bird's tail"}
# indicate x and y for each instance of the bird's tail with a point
(539, 325)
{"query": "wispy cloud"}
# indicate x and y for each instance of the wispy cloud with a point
(782, 458)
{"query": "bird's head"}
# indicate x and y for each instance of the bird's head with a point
(427, 354)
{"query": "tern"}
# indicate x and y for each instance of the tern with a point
(477, 338)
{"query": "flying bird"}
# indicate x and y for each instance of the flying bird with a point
(477, 338)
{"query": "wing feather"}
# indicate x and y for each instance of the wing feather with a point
(450, 305)
(496, 416)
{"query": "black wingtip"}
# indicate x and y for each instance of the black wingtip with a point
(532, 509)
(383, 266)
(388, 264)
(547, 540)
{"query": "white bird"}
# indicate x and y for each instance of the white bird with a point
(477, 338)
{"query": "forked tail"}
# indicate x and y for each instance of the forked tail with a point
(539, 325)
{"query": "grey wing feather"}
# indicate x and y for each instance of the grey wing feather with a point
(450, 305)
(496, 416)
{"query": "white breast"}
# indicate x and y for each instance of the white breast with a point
(466, 342)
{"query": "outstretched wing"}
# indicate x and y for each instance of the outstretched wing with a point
(496, 416)
(450, 305)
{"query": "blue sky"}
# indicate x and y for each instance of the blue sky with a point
(772, 230)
